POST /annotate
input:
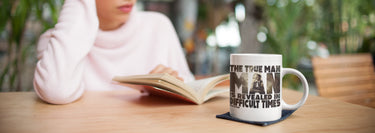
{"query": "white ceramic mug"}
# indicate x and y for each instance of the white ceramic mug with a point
(256, 87)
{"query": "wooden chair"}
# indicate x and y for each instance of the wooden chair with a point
(349, 78)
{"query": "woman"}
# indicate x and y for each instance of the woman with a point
(96, 40)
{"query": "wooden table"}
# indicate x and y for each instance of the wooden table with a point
(129, 111)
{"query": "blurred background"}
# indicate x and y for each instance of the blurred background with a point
(209, 31)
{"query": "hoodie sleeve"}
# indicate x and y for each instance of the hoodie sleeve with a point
(62, 52)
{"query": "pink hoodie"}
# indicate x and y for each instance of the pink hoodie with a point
(76, 55)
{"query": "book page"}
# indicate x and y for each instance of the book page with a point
(194, 90)
(215, 92)
(197, 85)
(202, 86)
(162, 84)
(156, 78)
(165, 93)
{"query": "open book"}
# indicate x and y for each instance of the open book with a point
(197, 91)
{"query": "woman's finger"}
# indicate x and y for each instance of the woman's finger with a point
(167, 70)
(174, 73)
(180, 78)
(163, 69)
(158, 69)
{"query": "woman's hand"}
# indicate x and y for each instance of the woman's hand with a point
(163, 69)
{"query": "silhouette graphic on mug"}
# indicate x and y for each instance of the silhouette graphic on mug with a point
(258, 86)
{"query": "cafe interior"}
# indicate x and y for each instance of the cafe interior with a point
(331, 42)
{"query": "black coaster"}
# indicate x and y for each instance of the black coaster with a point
(285, 114)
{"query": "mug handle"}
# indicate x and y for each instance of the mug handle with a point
(305, 89)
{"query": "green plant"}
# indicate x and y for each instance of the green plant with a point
(16, 17)
(341, 25)
(286, 32)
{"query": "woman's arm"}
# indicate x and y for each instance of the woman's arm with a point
(62, 51)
